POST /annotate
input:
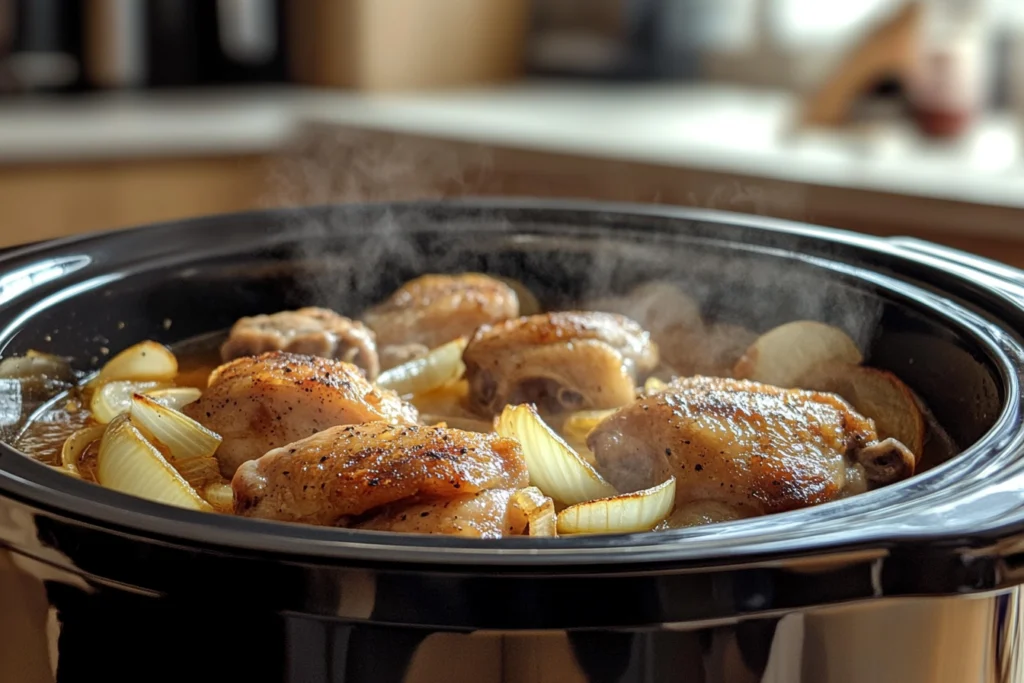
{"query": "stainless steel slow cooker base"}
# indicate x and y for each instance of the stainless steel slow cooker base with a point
(967, 639)
(913, 582)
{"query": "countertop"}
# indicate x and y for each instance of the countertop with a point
(703, 127)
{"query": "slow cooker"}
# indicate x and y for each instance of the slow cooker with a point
(914, 582)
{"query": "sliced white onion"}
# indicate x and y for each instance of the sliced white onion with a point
(130, 464)
(628, 513)
(578, 425)
(174, 397)
(441, 366)
(113, 398)
(75, 445)
(176, 434)
(784, 355)
(220, 496)
(144, 362)
(537, 511)
(200, 473)
(555, 468)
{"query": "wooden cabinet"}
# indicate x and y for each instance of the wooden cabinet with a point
(42, 201)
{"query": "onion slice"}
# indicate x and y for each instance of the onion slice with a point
(75, 445)
(220, 496)
(200, 473)
(114, 398)
(537, 511)
(578, 425)
(628, 513)
(144, 362)
(176, 434)
(784, 355)
(174, 397)
(130, 464)
(555, 468)
(441, 366)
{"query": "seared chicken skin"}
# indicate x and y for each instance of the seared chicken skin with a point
(263, 402)
(344, 472)
(309, 331)
(559, 361)
(486, 514)
(434, 309)
(752, 448)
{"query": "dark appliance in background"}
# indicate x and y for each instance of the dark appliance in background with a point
(603, 39)
(617, 39)
(44, 45)
(82, 45)
(213, 42)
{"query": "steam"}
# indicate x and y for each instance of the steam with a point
(346, 167)
(332, 167)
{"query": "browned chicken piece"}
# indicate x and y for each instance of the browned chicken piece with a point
(344, 472)
(558, 361)
(309, 331)
(434, 309)
(486, 514)
(754, 448)
(699, 513)
(263, 402)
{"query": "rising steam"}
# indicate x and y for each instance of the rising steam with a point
(348, 167)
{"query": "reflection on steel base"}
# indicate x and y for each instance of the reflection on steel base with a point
(53, 630)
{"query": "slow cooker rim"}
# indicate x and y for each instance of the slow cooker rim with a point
(443, 549)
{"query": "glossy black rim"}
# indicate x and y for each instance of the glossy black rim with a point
(911, 507)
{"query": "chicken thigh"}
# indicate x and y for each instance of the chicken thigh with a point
(486, 514)
(434, 309)
(262, 402)
(308, 331)
(752, 448)
(343, 472)
(559, 361)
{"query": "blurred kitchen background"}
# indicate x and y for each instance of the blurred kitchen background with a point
(884, 116)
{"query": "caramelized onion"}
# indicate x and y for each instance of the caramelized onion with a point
(130, 464)
(536, 509)
(438, 368)
(74, 447)
(783, 356)
(147, 361)
(174, 397)
(628, 513)
(555, 468)
(578, 425)
(220, 496)
(180, 437)
(114, 398)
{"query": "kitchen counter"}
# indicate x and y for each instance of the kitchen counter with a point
(715, 128)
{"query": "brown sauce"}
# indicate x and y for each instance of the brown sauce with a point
(44, 435)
